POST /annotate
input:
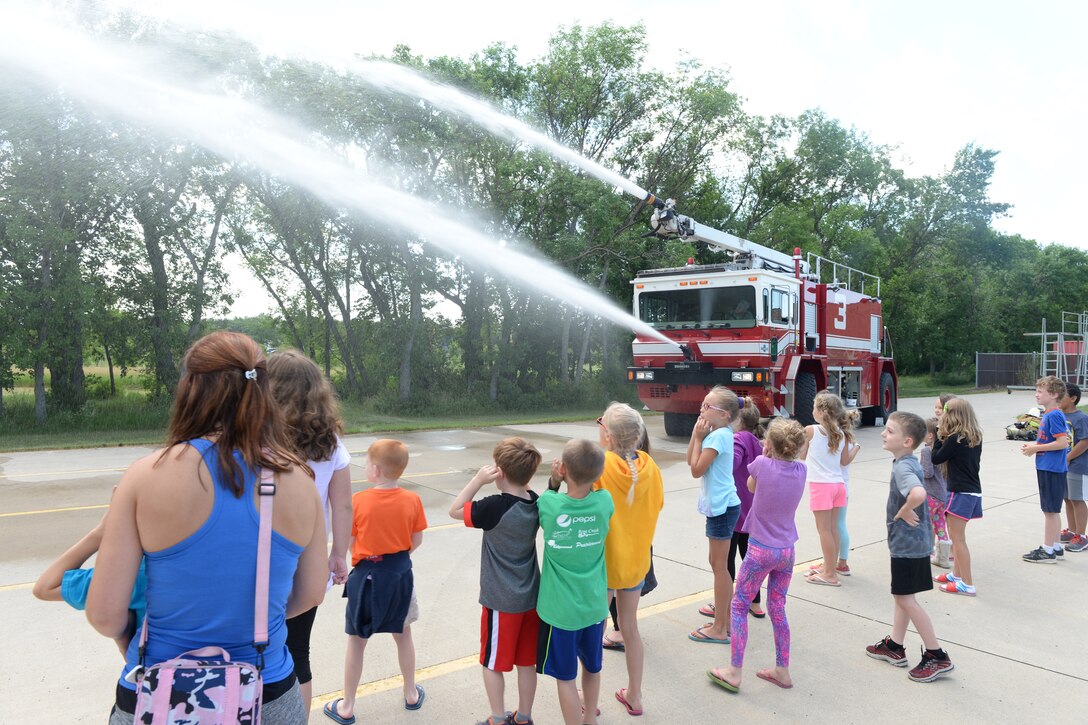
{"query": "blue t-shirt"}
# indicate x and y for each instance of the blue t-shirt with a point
(719, 490)
(1078, 427)
(1052, 426)
(75, 583)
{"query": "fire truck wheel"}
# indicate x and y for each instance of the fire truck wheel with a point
(888, 399)
(804, 397)
(679, 425)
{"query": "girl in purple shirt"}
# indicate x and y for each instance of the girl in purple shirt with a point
(777, 482)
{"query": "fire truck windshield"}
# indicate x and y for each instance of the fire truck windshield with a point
(699, 307)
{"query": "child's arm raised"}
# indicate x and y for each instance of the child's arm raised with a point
(809, 431)
(487, 474)
(48, 586)
(849, 453)
(700, 458)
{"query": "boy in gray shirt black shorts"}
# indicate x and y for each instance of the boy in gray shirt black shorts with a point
(910, 539)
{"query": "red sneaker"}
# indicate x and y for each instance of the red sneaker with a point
(931, 667)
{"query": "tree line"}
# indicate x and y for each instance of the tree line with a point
(113, 237)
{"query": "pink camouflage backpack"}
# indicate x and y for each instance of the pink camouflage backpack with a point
(202, 686)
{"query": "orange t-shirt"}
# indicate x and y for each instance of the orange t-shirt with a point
(383, 521)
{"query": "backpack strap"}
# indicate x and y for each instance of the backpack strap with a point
(266, 491)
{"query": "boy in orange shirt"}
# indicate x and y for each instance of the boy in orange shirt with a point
(387, 525)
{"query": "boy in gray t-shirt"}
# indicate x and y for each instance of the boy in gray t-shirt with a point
(1076, 480)
(910, 540)
(509, 575)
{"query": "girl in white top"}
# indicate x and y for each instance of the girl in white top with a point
(828, 451)
(309, 409)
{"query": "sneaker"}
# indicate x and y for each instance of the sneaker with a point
(931, 667)
(1078, 543)
(946, 578)
(882, 651)
(1059, 553)
(1067, 536)
(957, 587)
(843, 569)
(512, 719)
(1039, 556)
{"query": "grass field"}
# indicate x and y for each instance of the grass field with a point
(131, 418)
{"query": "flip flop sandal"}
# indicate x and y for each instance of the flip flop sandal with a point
(819, 580)
(333, 714)
(722, 682)
(699, 635)
(768, 675)
(621, 695)
(419, 702)
(609, 643)
(757, 615)
(707, 610)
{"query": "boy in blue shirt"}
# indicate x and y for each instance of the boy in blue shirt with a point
(65, 581)
(1051, 464)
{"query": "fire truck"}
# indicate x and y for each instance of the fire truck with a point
(768, 325)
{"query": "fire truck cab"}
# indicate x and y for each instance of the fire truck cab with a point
(769, 326)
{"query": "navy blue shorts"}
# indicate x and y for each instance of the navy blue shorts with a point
(1051, 491)
(558, 650)
(721, 526)
(964, 506)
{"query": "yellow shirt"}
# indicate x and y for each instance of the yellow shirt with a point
(631, 530)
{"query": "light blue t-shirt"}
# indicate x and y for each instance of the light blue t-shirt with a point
(75, 583)
(719, 490)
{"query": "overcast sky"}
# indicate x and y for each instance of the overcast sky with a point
(926, 77)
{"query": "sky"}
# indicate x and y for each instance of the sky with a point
(926, 77)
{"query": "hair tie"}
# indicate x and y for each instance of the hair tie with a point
(741, 401)
(251, 374)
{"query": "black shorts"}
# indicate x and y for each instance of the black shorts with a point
(910, 576)
(1052, 491)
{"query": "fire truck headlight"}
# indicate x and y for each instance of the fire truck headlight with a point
(742, 377)
(644, 375)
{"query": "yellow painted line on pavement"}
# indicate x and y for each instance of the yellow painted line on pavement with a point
(54, 511)
(464, 663)
(63, 473)
(16, 587)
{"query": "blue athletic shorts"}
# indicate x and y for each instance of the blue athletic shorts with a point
(1051, 491)
(964, 506)
(721, 526)
(558, 650)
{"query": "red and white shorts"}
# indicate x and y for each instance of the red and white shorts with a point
(508, 639)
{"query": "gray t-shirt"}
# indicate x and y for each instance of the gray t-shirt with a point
(509, 575)
(904, 541)
(1078, 424)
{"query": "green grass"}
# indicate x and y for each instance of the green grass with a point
(131, 420)
(920, 386)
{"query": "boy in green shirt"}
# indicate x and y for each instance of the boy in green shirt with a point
(573, 599)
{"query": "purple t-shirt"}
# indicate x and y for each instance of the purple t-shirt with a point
(745, 449)
(779, 487)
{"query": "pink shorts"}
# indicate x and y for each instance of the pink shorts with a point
(826, 496)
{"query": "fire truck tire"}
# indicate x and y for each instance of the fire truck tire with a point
(888, 401)
(804, 397)
(679, 425)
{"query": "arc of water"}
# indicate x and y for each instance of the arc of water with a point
(235, 128)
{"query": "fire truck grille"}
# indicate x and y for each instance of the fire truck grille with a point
(659, 391)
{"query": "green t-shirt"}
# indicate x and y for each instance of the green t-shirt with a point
(573, 581)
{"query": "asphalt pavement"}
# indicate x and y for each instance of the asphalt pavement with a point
(1019, 647)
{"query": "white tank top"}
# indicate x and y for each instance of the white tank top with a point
(823, 465)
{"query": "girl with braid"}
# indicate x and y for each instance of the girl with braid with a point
(633, 480)
(777, 482)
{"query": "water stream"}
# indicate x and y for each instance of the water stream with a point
(116, 78)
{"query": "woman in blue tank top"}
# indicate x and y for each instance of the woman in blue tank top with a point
(191, 510)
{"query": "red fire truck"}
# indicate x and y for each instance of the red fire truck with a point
(767, 325)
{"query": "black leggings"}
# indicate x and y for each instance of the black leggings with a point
(739, 542)
(298, 643)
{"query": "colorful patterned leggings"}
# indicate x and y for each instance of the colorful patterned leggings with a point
(776, 566)
(936, 515)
